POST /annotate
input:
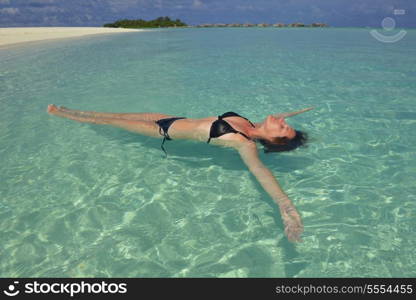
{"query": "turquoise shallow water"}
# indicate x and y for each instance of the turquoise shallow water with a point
(87, 200)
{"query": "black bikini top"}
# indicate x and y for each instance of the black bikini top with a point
(220, 127)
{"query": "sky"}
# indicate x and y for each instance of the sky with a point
(337, 13)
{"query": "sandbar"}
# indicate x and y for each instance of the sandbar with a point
(18, 35)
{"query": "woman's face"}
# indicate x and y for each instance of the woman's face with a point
(278, 128)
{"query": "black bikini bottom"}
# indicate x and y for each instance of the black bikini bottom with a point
(164, 125)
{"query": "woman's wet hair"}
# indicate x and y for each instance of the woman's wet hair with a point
(285, 144)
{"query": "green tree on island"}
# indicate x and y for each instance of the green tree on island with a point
(139, 23)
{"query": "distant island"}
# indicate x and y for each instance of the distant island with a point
(167, 22)
(262, 25)
(139, 23)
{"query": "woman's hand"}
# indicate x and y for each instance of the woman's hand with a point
(293, 223)
(290, 216)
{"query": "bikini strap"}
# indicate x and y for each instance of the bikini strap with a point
(165, 137)
(233, 114)
(243, 134)
(164, 133)
(163, 148)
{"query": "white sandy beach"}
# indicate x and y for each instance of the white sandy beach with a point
(11, 36)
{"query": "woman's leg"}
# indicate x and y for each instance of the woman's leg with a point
(125, 116)
(148, 128)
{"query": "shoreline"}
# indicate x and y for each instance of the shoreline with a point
(12, 36)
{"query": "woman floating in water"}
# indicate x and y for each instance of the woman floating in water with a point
(229, 129)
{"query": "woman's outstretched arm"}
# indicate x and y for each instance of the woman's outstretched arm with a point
(290, 216)
(287, 114)
(291, 114)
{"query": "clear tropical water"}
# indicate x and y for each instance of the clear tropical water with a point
(88, 200)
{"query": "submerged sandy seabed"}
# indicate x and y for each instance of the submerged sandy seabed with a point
(11, 36)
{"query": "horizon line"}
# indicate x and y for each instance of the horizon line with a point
(194, 26)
